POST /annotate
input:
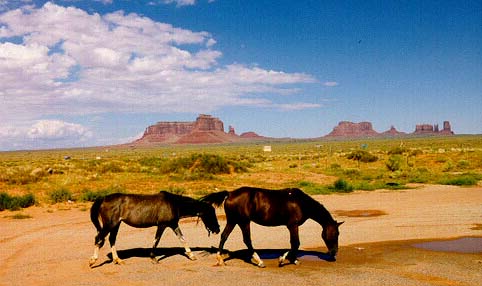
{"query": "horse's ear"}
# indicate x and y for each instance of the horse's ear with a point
(340, 223)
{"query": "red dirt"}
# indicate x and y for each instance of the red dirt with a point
(54, 246)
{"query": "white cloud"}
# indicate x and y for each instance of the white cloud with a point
(43, 134)
(181, 2)
(297, 106)
(330, 83)
(66, 62)
(58, 130)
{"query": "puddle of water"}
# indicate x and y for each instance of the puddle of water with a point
(461, 245)
(360, 213)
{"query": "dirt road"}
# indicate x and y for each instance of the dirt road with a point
(377, 246)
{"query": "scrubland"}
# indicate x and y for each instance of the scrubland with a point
(316, 166)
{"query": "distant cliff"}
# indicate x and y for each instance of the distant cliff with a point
(206, 129)
(346, 129)
(350, 129)
(424, 129)
(209, 129)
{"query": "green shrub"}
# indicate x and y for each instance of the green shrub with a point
(21, 216)
(112, 167)
(8, 202)
(416, 152)
(448, 166)
(342, 186)
(397, 151)
(394, 163)
(461, 180)
(204, 166)
(362, 156)
(60, 195)
(22, 176)
(335, 166)
(90, 196)
(463, 164)
(352, 173)
(313, 188)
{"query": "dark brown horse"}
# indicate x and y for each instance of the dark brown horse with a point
(290, 207)
(161, 210)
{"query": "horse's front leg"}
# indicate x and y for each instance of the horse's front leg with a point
(295, 244)
(181, 238)
(224, 236)
(255, 259)
(159, 232)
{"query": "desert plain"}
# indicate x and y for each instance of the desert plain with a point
(379, 245)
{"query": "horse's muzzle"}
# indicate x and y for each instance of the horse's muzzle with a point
(212, 231)
(332, 253)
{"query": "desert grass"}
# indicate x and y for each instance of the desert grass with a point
(316, 166)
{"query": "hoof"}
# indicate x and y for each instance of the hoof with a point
(282, 262)
(220, 263)
(258, 263)
(191, 256)
(118, 261)
(220, 260)
(154, 260)
(92, 262)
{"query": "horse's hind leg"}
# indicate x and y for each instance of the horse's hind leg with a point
(99, 242)
(246, 229)
(112, 238)
(181, 238)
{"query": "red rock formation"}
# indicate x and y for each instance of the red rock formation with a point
(251, 135)
(350, 129)
(393, 132)
(206, 129)
(428, 129)
(231, 130)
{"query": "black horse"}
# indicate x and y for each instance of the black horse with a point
(161, 210)
(290, 207)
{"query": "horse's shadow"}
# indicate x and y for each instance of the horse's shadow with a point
(267, 254)
(160, 253)
(242, 254)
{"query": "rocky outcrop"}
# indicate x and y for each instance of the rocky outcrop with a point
(209, 129)
(346, 129)
(350, 129)
(393, 132)
(428, 129)
(181, 132)
(206, 129)
(251, 135)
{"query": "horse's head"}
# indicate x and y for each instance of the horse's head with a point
(209, 218)
(330, 236)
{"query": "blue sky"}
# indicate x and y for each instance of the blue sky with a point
(83, 73)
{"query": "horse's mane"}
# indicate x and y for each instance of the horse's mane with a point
(187, 206)
(315, 209)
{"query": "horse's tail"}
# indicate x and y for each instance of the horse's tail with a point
(94, 213)
(216, 199)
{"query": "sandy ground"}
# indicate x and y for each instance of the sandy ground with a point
(377, 246)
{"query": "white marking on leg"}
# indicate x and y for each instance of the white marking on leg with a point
(115, 257)
(219, 259)
(282, 258)
(257, 260)
(184, 244)
(95, 256)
